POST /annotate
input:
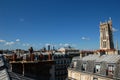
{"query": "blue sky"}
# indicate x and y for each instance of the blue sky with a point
(25, 23)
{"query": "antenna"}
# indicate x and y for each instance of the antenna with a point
(116, 44)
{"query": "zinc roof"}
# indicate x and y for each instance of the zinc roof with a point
(4, 75)
(90, 57)
(109, 58)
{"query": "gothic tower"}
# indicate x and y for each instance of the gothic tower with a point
(106, 38)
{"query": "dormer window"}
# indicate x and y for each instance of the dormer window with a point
(111, 69)
(95, 78)
(97, 68)
(84, 67)
(73, 65)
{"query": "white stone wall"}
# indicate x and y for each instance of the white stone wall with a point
(84, 76)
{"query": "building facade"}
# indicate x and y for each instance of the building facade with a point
(95, 67)
(33, 65)
(106, 36)
(62, 61)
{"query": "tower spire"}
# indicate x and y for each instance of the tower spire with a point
(117, 45)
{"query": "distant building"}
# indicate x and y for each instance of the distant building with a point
(62, 61)
(41, 65)
(84, 53)
(69, 50)
(35, 66)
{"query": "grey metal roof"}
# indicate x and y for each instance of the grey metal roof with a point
(76, 58)
(1, 62)
(109, 58)
(4, 75)
(106, 58)
(58, 53)
(3, 71)
(90, 57)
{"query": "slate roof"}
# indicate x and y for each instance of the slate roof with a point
(104, 58)
(4, 75)
(1, 62)
(109, 58)
(3, 71)
(7, 74)
(90, 57)
(76, 58)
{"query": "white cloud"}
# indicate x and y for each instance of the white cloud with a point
(1, 41)
(47, 44)
(9, 43)
(26, 44)
(17, 40)
(66, 45)
(114, 29)
(74, 45)
(85, 38)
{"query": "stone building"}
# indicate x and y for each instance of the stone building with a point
(41, 65)
(106, 41)
(35, 66)
(95, 67)
(62, 61)
(106, 36)
(102, 64)
(69, 50)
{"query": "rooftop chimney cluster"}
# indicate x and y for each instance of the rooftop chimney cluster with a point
(32, 57)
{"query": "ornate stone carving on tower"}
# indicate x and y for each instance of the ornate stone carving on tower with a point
(106, 37)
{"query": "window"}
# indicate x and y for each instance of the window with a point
(104, 34)
(84, 67)
(97, 68)
(110, 70)
(64, 61)
(95, 78)
(57, 62)
(104, 44)
(73, 65)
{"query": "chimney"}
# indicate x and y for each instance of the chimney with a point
(14, 57)
(41, 57)
(49, 56)
(32, 56)
(48, 47)
(117, 48)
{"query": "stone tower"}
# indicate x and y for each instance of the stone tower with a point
(106, 38)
